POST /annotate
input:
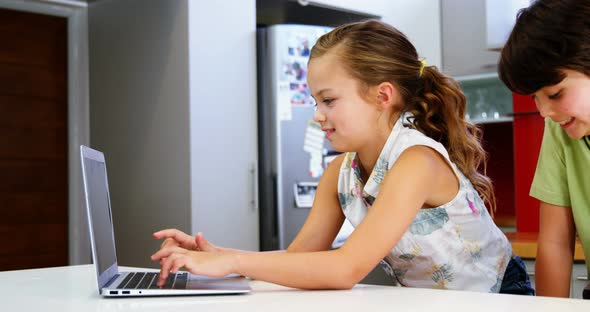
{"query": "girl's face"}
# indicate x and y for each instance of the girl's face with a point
(350, 122)
(567, 103)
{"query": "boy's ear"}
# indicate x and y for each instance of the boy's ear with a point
(387, 95)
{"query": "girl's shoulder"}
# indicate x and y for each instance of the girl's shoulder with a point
(409, 137)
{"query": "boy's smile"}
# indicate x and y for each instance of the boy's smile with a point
(567, 103)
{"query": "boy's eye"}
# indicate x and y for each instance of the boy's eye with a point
(327, 101)
(555, 95)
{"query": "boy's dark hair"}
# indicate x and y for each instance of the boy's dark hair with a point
(548, 36)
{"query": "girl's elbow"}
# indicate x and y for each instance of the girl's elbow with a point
(349, 276)
(349, 271)
(342, 284)
(345, 283)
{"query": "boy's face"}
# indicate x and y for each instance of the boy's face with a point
(567, 103)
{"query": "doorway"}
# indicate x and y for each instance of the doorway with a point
(33, 141)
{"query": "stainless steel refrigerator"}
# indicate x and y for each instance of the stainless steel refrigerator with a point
(292, 148)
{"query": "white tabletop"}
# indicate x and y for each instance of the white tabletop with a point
(74, 288)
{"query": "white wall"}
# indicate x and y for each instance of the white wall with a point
(139, 117)
(223, 121)
(173, 106)
(418, 19)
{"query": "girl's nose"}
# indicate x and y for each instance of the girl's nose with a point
(318, 116)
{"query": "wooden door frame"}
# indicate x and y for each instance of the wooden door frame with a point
(78, 123)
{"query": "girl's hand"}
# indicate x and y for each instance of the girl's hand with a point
(174, 237)
(205, 245)
(173, 258)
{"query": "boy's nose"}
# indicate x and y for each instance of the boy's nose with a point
(544, 108)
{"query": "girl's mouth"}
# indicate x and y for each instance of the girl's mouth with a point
(329, 132)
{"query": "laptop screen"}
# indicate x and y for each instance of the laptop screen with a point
(100, 213)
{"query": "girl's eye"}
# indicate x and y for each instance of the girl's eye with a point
(327, 101)
(555, 95)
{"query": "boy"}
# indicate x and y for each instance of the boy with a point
(547, 56)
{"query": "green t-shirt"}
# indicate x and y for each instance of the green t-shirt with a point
(562, 178)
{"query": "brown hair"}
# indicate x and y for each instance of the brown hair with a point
(547, 37)
(374, 52)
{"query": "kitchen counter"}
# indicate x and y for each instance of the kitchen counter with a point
(525, 245)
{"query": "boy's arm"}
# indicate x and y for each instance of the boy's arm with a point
(555, 251)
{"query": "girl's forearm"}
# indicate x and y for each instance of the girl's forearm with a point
(240, 251)
(306, 270)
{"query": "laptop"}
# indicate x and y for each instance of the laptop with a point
(111, 281)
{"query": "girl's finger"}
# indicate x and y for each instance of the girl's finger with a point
(166, 252)
(165, 269)
(172, 233)
(178, 264)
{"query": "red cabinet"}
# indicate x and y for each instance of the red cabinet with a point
(528, 128)
(497, 141)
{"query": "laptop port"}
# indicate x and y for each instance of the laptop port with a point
(113, 292)
(125, 292)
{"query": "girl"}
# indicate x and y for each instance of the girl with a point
(547, 56)
(408, 181)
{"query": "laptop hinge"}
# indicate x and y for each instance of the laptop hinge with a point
(112, 280)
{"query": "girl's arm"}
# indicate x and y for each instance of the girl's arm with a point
(318, 232)
(326, 217)
(555, 251)
(416, 179)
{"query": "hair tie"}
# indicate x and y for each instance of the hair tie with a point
(423, 62)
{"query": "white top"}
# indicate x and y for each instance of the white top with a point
(453, 246)
(74, 288)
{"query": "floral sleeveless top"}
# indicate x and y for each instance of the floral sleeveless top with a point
(453, 246)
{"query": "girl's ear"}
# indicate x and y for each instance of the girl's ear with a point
(387, 95)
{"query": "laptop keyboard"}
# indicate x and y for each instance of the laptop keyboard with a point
(149, 280)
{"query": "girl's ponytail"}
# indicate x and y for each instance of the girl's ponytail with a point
(438, 110)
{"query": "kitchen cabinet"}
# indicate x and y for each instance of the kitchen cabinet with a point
(579, 280)
(464, 45)
(528, 134)
(488, 99)
(500, 18)
(497, 142)
(512, 135)
(489, 104)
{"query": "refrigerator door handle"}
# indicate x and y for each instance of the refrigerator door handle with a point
(254, 201)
